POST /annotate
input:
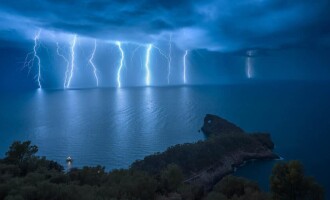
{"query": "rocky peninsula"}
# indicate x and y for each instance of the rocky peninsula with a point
(206, 162)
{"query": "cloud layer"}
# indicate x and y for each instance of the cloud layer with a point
(219, 25)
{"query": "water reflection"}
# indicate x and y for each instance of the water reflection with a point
(249, 67)
(112, 126)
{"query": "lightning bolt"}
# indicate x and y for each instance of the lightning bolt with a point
(73, 45)
(29, 62)
(248, 67)
(35, 48)
(67, 63)
(93, 65)
(169, 60)
(161, 52)
(184, 66)
(121, 63)
(147, 64)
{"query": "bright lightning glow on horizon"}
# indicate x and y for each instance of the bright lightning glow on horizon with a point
(67, 63)
(73, 45)
(93, 65)
(184, 66)
(121, 63)
(148, 64)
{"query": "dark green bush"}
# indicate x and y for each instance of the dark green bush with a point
(288, 182)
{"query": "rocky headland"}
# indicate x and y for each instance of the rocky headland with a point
(206, 162)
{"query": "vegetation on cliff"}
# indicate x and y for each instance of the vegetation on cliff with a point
(205, 162)
(194, 157)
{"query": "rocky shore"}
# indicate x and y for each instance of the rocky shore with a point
(212, 175)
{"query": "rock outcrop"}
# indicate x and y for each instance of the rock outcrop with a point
(261, 149)
(214, 125)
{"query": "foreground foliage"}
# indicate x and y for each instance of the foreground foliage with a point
(23, 175)
(289, 182)
(236, 188)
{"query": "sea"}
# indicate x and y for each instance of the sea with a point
(113, 127)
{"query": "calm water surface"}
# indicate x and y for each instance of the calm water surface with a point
(114, 127)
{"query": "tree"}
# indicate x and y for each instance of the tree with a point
(20, 152)
(232, 187)
(288, 182)
(171, 178)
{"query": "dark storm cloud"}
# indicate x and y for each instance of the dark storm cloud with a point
(213, 24)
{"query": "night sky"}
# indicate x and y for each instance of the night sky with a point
(277, 39)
